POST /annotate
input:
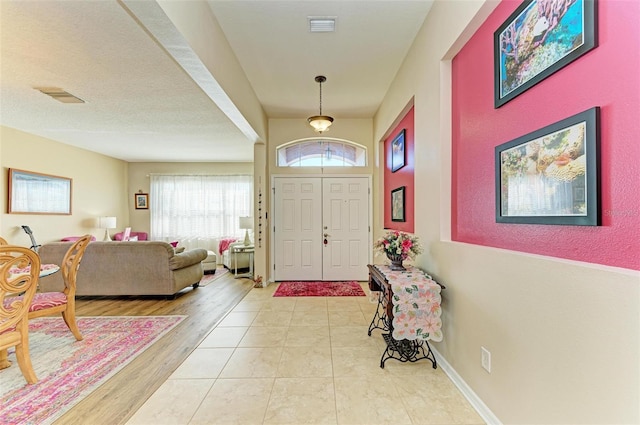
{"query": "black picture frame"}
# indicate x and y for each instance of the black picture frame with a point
(141, 201)
(398, 153)
(551, 175)
(528, 47)
(398, 204)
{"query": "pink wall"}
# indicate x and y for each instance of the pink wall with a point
(609, 77)
(402, 177)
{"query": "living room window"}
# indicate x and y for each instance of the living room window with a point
(199, 210)
(321, 153)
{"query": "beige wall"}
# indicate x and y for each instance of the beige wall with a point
(139, 181)
(564, 336)
(99, 187)
(261, 218)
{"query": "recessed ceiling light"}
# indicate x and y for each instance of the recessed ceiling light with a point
(322, 23)
(59, 94)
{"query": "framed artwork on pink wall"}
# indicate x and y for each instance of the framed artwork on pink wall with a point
(398, 204)
(538, 39)
(550, 176)
(398, 153)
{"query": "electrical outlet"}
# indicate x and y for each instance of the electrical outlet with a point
(486, 359)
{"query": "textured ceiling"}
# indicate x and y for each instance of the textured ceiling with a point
(142, 106)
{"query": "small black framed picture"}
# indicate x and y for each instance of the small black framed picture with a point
(397, 204)
(398, 155)
(142, 201)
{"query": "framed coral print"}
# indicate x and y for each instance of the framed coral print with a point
(37, 193)
(397, 204)
(538, 39)
(550, 176)
(398, 155)
(142, 201)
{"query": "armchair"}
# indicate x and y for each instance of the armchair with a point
(229, 258)
(19, 270)
(46, 303)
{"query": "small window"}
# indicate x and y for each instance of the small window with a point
(321, 153)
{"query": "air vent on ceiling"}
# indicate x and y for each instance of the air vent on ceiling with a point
(59, 94)
(322, 23)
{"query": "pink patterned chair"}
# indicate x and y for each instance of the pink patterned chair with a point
(19, 269)
(46, 303)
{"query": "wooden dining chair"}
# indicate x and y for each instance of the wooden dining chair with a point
(19, 271)
(47, 303)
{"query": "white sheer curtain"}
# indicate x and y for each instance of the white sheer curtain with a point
(199, 210)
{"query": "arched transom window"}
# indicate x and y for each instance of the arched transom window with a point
(321, 153)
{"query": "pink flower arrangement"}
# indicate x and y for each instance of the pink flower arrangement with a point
(396, 243)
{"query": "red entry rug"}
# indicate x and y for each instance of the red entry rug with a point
(69, 370)
(319, 289)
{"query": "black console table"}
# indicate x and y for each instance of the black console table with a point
(409, 347)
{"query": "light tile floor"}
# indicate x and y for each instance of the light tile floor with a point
(302, 360)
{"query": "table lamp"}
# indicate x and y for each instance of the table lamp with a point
(107, 223)
(246, 223)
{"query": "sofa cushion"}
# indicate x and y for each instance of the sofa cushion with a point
(183, 259)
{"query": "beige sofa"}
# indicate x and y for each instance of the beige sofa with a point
(127, 268)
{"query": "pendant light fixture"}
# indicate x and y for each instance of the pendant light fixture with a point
(320, 122)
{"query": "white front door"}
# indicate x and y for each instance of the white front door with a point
(345, 216)
(308, 208)
(297, 229)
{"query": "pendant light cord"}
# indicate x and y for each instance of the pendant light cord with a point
(320, 98)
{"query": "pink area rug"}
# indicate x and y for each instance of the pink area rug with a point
(69, 370)
(209, 278)
(319, 289)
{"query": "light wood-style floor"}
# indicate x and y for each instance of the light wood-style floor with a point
(120, 397)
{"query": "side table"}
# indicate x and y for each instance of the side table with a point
(243, 249)
(409, 310)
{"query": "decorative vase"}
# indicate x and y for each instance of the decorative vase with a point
(396, 262)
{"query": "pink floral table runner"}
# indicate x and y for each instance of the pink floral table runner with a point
(416, 304)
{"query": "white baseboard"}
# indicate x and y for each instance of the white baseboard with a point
(485, 413)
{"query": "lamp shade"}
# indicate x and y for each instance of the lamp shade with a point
(246, 222)
(107, 222)
(320, 123)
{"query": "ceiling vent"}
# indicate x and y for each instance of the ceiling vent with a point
(322, 23)
(59, 94)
